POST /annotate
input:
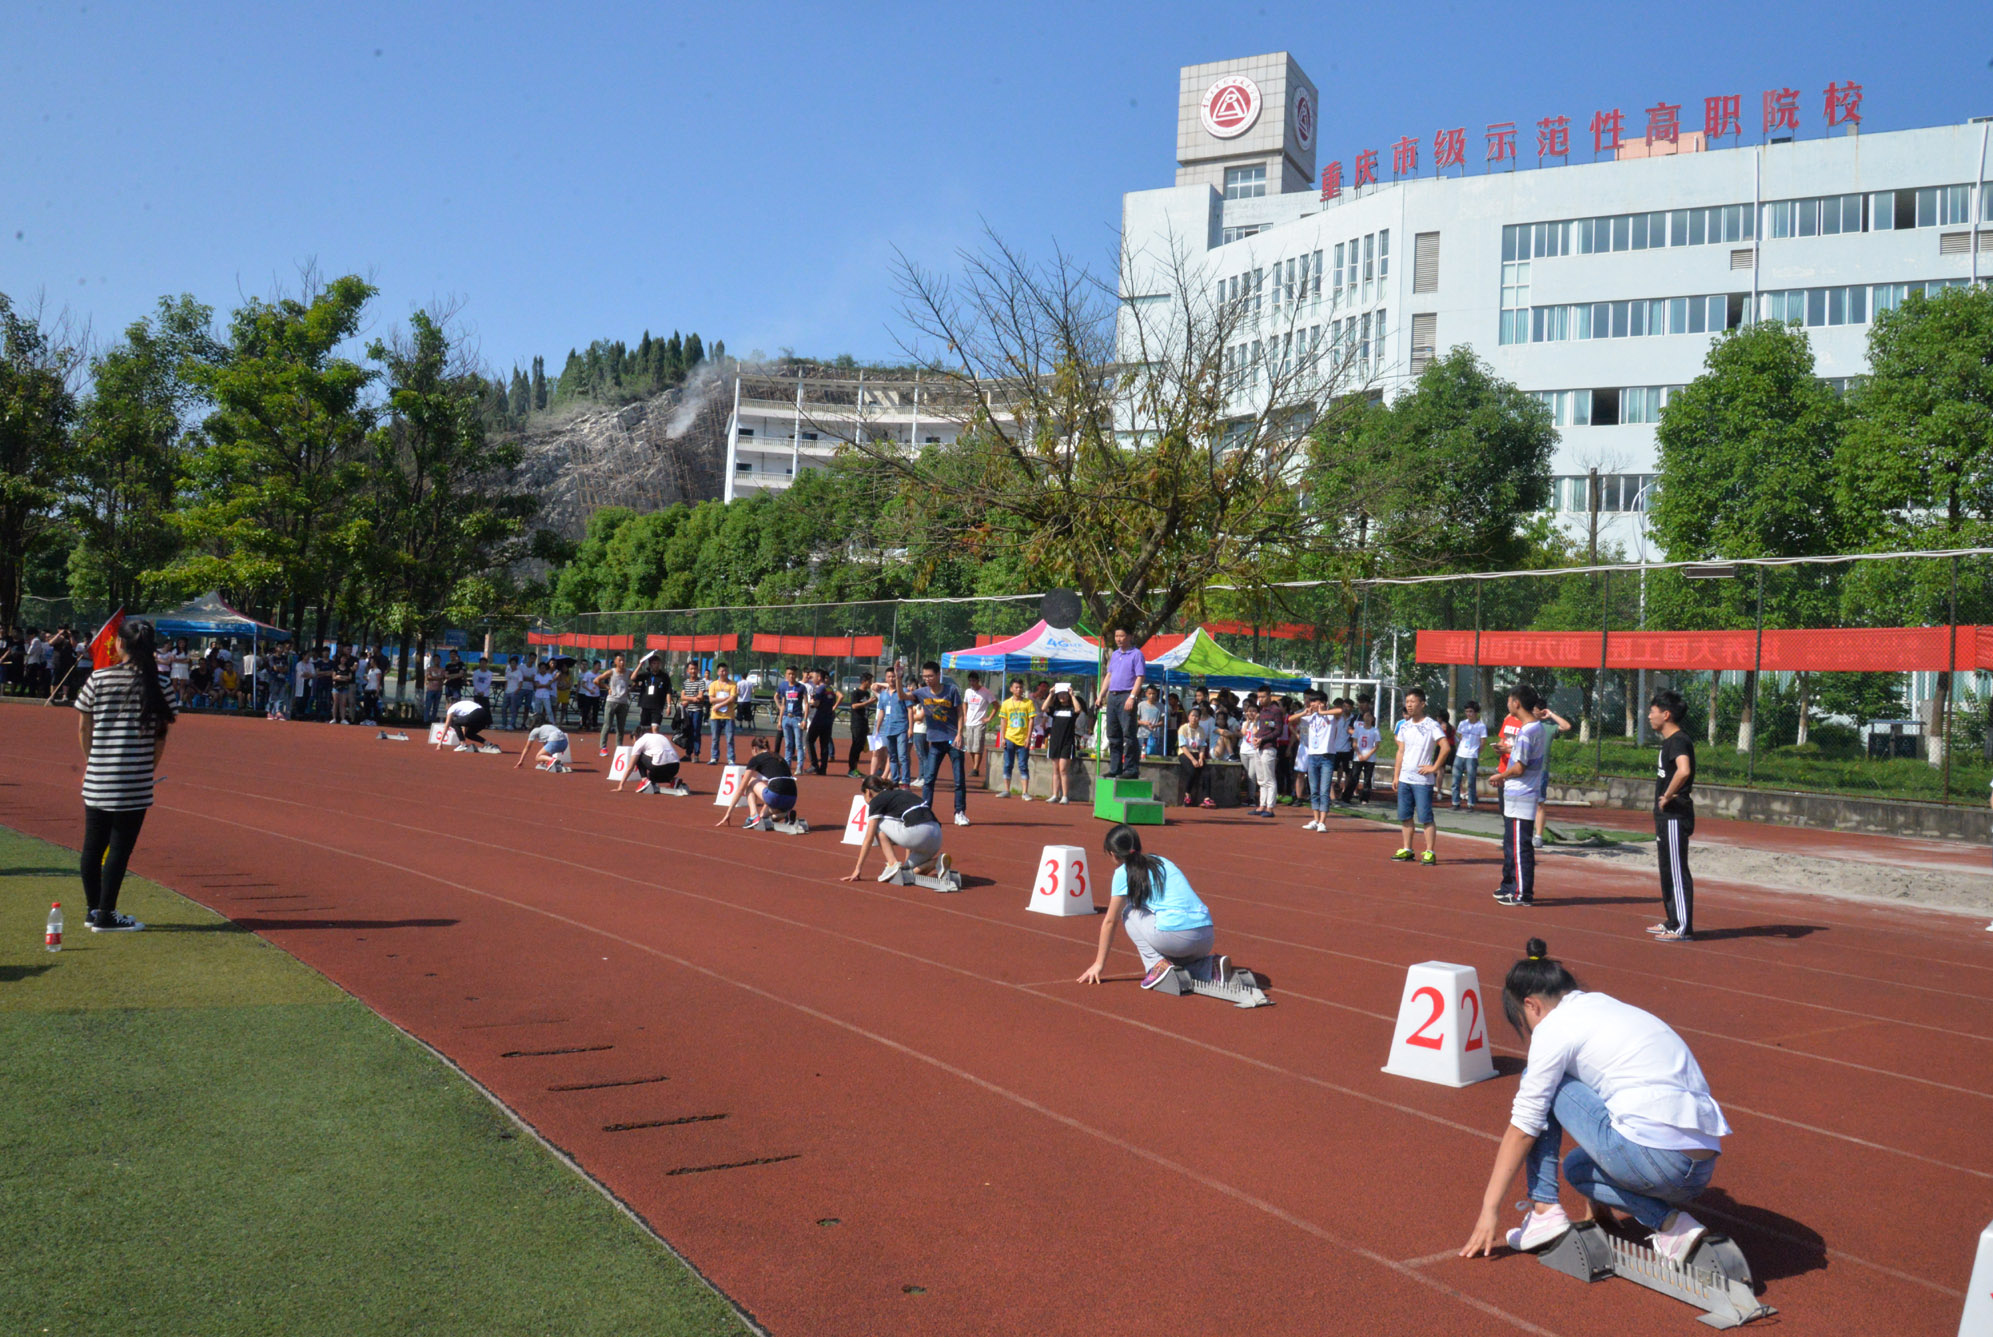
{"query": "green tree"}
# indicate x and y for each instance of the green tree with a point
(519, 396)
(1747, 455)
(442, 519)
(540, 384)
(272, 493)
(1915, 469)
(694, 351)
(129, 452)
(37, 408)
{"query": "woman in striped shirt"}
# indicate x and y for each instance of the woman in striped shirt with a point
(123, 724)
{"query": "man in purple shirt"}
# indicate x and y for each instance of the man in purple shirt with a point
(1125, 668)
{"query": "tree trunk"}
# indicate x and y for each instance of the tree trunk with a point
(1627, 695)
(1715, 686)
(1934, 721)
(1747, 721)
(1805, 705)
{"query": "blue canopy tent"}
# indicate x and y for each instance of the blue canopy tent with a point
(209, 616)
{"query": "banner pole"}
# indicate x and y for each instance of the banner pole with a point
(1951, 678)
(1757, 678)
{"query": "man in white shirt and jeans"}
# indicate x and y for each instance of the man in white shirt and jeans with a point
(1471, 730)
(1422, 749)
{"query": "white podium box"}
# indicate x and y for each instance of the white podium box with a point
(1062, 886)
(854, 825)
(441, 734)
(1977, 1320)
(731, 779)
(1442, 1030)
(619, 765)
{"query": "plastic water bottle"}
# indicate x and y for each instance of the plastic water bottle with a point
(54, 938)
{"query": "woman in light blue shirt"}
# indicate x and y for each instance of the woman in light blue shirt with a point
(1169, 926)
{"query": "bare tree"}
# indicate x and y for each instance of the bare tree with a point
(1139, 440)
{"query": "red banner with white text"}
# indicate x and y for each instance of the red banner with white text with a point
(1823, 650)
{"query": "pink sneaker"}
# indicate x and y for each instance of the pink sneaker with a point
(1538, 1229)
(1677, 1240)
(1156, 974)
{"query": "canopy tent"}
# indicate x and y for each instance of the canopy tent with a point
(209, 616)
(1199, 661)
(1042, 649)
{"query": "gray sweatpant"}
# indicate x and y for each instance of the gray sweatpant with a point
(1184, 947)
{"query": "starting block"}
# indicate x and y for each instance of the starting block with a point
(386, 737)
(1240, 988)
(731, 780)
(947, 880)
(675, 791)
(793, 826)
(1716, 1279)
(619, 765)
(854, 825)
(1062, 887)
(553, 767)
(1441, 1035)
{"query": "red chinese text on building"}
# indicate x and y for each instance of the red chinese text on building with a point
(1664, 123)
(1405, 157)
(1449, 148)
(1781, 109)
(1607, 126)
(1844, 104)
(1502, 142)
(1332, 180)
(1553, 137)
(1366, 168)
(1722, 116)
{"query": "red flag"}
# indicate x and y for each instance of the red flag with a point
(100, 644)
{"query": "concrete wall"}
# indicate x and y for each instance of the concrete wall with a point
(1824, 812)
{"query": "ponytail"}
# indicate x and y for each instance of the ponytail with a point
(874, 785)
(1537, 975)
(1144, 871)
(135, 638)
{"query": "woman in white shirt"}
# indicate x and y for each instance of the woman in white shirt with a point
(1629, 1093)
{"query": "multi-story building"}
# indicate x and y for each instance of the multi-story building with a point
(1597, 286)
(796, 417)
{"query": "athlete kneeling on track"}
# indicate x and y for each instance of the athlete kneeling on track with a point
(470, 720)
(552, 743)
(654, 758)
(770, 787)
(1167, 923)
(907, 830)
(1629, 1093)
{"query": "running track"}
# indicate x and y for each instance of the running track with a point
(863, 1109)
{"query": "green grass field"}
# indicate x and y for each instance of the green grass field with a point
(201, 1136)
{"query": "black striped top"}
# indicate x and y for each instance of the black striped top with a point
(118, 777)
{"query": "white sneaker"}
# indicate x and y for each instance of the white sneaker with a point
(1538, 1229)
(1677, 1240)
(1025, 797)
(961, 819)
(889, 872)
(465, 747)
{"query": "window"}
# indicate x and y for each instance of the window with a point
(1619, 320)
(1515, 302)
(1629, 232)
(746, 431)
(1226, 236)
(1316, 292)
(1616, 492)
(1605, 408)
(743, 466)
(1819, 306)
(1384, 255)
(1337, 281)
(1369, 263)
(1244, 183)
(1568, 408)
(1425, 266)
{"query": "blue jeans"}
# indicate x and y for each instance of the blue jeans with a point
(723, 727)
(1607, 1168)
(1321, 780)
(937, 748)
(792, 739)
(896, 757)
(1419, 796)
(1468, 768)
(1018, 754)
(432, 705)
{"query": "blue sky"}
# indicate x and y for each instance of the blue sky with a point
(747, 170)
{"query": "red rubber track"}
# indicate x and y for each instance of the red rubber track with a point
(865, 1109)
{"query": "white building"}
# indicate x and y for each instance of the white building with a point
(795, 418)
(1595, 285)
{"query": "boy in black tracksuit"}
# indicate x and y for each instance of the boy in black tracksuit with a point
(1674, 816)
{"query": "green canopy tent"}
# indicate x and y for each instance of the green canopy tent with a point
(1199, 661)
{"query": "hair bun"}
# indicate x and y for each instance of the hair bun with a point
(1535, 950)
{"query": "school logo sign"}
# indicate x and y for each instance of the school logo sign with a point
(1304, 120)
(1231, 106)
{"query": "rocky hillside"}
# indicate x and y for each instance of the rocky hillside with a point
(645, 455)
